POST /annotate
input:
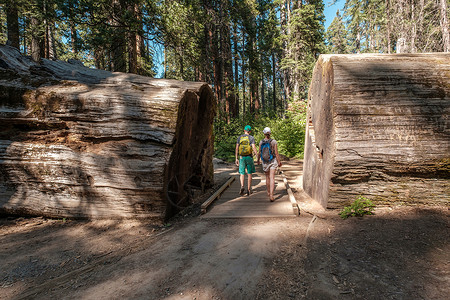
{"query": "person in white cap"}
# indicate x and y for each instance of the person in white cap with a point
(268, 154)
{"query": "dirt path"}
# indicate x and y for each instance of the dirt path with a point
(399, 253)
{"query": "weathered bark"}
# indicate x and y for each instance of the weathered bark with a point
(81, 142)
(378, 127)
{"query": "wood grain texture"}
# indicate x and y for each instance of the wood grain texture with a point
(379, 127)
(80, 142)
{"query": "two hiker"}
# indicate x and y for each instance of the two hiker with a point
(268, 153)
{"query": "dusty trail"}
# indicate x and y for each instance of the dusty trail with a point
(201, 260)
(399, 253)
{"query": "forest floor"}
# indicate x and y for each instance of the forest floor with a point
(398, 253)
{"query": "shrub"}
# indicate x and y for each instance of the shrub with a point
(360, 207)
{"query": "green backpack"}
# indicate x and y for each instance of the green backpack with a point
(244, 146)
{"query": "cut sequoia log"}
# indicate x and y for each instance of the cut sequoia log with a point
(378, 126)
(81, 142)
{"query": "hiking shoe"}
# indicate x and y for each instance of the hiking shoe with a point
(242, 192)
(249, 192)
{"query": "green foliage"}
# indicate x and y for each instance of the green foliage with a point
(304, 42)
(289, 132)
(360, 207)
(336, 36)
(225, 137)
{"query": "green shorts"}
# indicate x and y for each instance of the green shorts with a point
(246, 162)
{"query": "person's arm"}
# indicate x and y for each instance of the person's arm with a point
(258, 157)
(236, 155)
(277, 155)
(254, 150)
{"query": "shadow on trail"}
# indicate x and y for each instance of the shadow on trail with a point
(391, 256)
(402, 254)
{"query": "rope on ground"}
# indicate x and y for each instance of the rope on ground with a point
(310, 227)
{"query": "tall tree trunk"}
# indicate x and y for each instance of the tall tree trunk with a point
(165, 61)
(206, 69)
(118, 41)
(263, 98)
(217, 70)
(414, 28)
(274, 97)
(140, 46)
(388, 25)
(253, 76)
(284, 20)
(230, 93)
(48, 41)
(133, 42)
(99, 58)
(212, 30)
(132, 53)
(12, 20)
(236, 69)
(73, 30)
(402, 45)
(51, 54)
(421, 14)
(35, 40)
(358, 41)
(444, 26)
(244, 108)
(181, 53)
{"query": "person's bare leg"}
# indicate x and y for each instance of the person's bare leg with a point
(272, 183)
(249, 184)
(268, 183)
(242, 179)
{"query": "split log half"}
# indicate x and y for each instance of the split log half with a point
(378, 126)
(81, 142)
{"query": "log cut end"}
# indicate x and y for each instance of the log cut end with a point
(378, 127)
(85, 143)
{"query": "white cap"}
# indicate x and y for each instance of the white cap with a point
(266, 130)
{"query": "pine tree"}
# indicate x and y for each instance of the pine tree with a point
(305, 43)
(336, 35)
(353, 14)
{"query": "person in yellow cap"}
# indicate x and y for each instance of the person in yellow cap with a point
(268, 153)
(245, 149)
